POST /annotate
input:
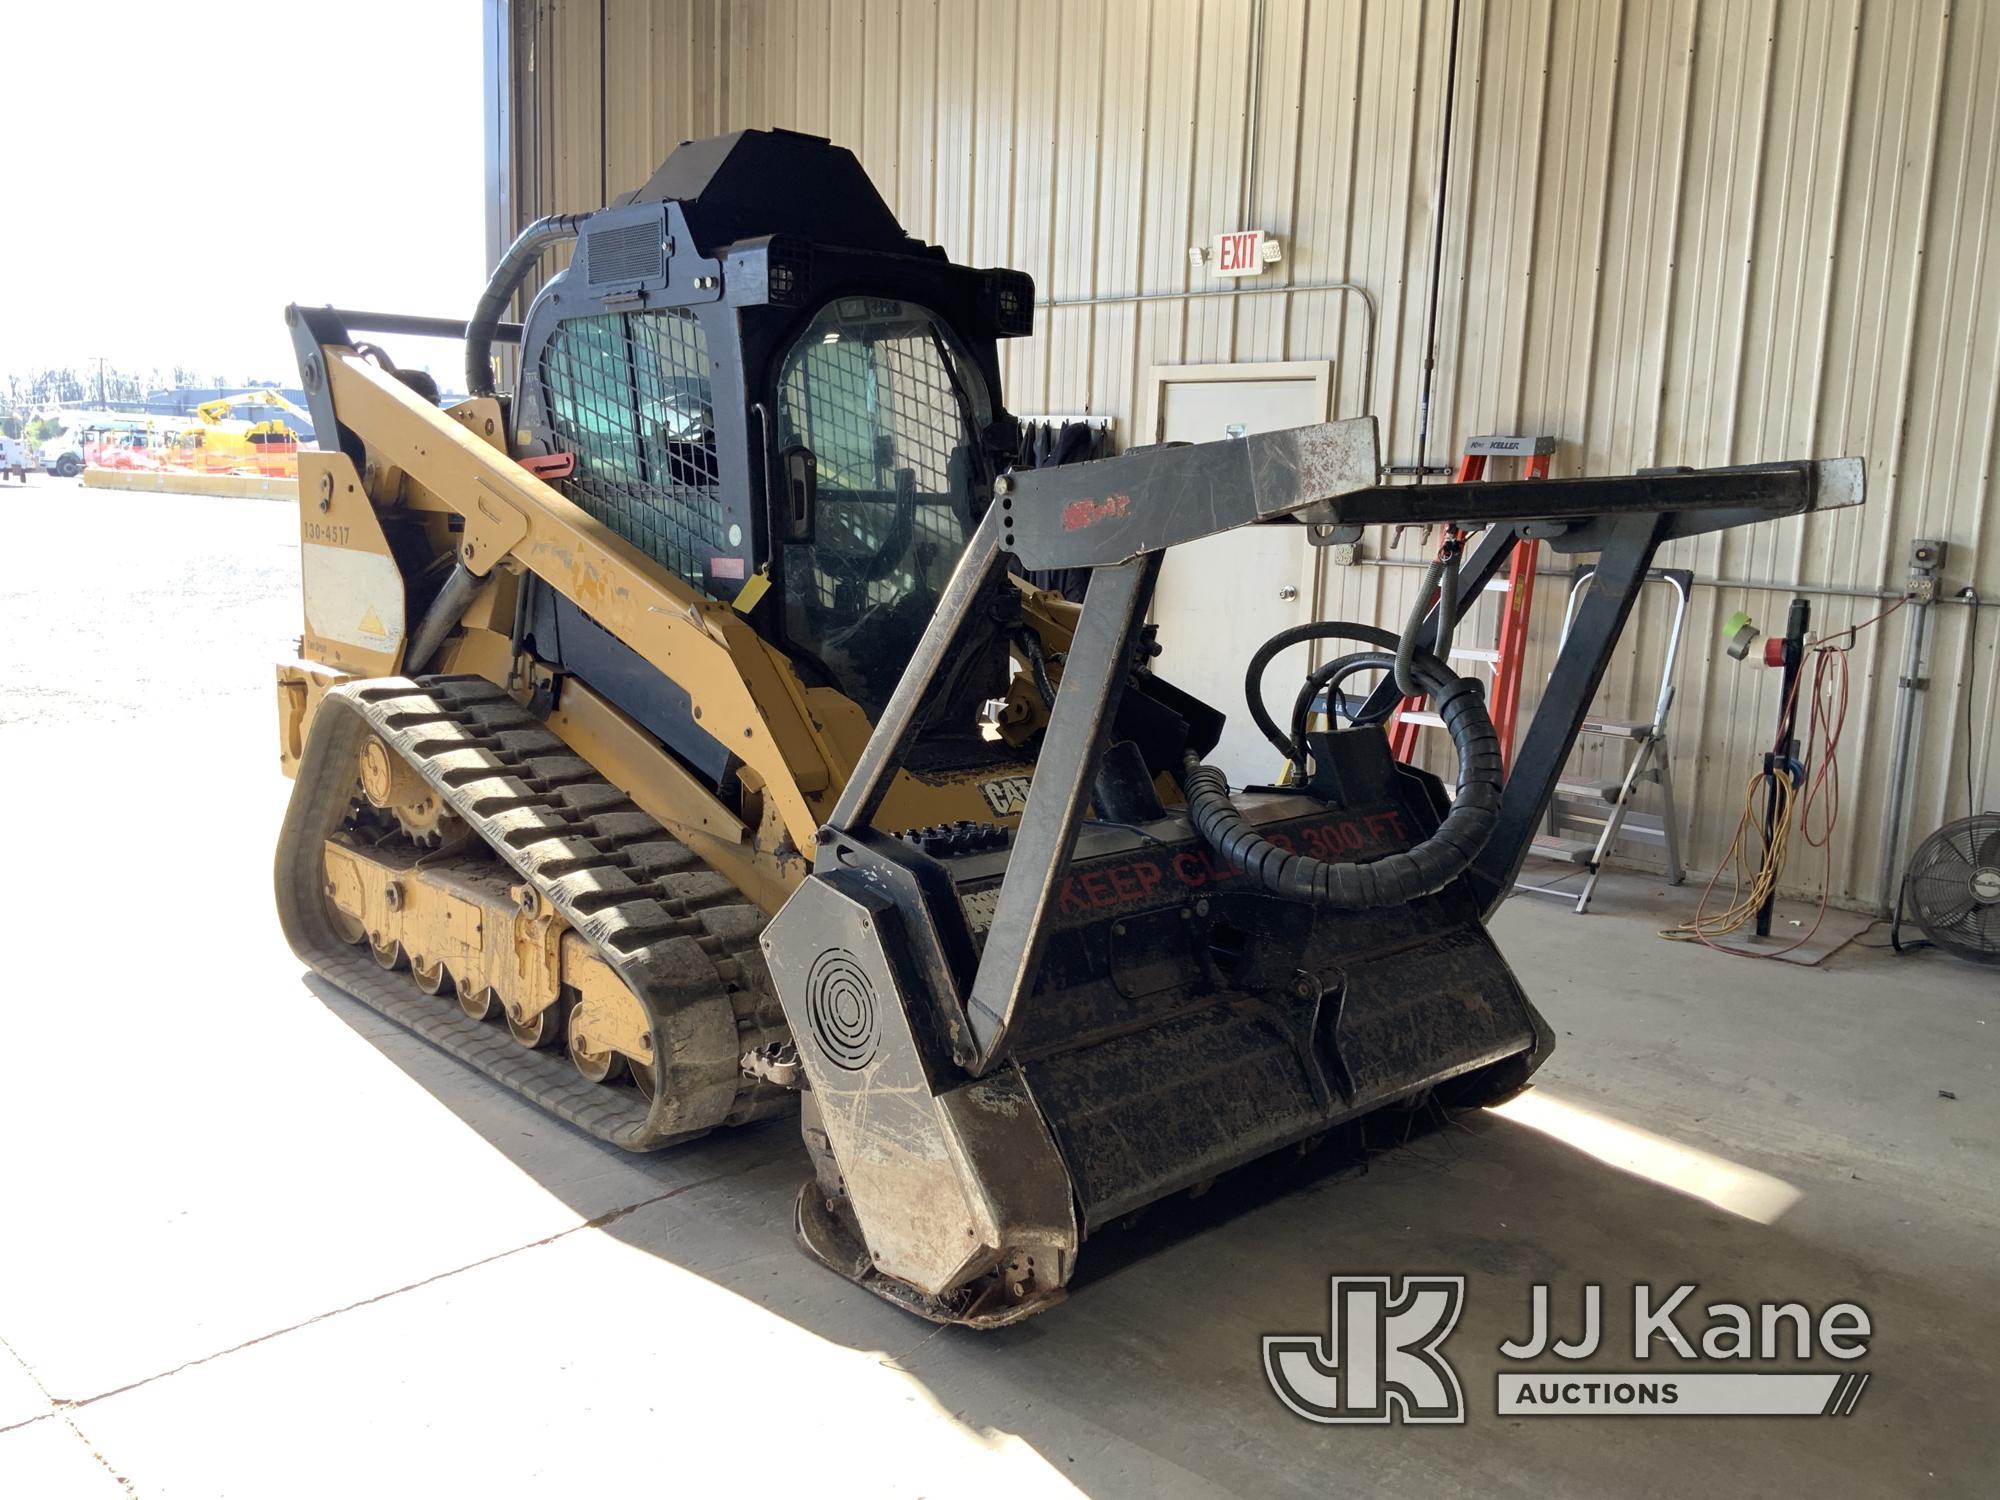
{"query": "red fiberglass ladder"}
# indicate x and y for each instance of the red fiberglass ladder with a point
(1504, 655)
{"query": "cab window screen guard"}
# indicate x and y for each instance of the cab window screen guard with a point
(891, 413)
(628, 393)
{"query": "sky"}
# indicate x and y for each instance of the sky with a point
(179, 172)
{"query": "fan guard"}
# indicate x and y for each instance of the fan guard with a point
(1953, 887)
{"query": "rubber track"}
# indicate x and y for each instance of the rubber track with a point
(678, 933)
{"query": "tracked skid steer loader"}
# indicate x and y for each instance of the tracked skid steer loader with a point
(676, 738)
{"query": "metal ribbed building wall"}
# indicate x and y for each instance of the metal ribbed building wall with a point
(1676, 231)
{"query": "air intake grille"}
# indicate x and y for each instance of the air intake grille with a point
(628, 394)
(788, 271)
(626, 252)
(1010, 302)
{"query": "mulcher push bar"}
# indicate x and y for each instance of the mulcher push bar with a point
(1092, 515)
(1118, 515)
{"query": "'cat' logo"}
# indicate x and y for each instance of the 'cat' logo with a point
(1006, 795)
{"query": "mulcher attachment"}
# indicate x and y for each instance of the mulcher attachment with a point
(1184, 1022)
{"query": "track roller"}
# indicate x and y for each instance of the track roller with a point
(543, 1030)
(477, 1000)
(604, 1066)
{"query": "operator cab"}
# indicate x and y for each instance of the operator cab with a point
(781, 398)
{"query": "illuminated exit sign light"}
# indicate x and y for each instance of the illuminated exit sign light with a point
(1240, 253)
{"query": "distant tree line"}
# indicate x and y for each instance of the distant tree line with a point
(26, 394)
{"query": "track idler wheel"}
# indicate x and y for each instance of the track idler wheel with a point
(345, 925)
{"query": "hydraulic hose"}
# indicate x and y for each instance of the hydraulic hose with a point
(1447, 604)
(1284, 640)
(1441, 579)
(1328, 679)
(528, 248)
(1031, 648)
(1395, 878)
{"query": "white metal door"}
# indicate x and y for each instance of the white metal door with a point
(1219, 599)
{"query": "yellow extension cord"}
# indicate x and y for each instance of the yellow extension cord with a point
(1702, 926)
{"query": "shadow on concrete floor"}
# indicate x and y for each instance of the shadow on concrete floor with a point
(1159, 1342)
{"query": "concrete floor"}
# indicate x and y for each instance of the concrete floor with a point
(256, 1242)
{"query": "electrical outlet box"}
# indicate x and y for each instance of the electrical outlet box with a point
(1926, 569)
(1345, 554)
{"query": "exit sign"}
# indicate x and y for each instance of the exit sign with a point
(1240, 254)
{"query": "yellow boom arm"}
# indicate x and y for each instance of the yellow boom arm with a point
(744, 693)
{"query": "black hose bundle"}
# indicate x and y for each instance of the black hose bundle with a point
(520, 258)
(1395, 878)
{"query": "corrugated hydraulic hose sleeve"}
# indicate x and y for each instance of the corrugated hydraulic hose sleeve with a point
(1395, 878)
(528, 247)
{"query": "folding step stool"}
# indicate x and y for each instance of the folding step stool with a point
(1602, 813)
(1504, 655)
